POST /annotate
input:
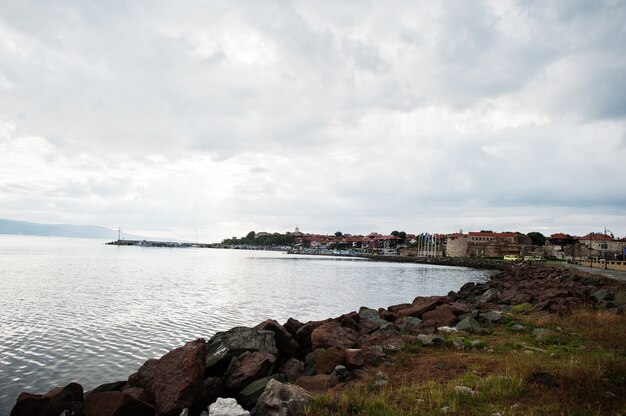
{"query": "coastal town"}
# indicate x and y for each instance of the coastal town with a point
(594, 249)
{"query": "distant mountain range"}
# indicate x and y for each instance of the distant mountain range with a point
(64, 230)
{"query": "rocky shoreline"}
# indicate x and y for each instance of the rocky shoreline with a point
(274, 369)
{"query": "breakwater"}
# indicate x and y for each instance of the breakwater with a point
(242, 362)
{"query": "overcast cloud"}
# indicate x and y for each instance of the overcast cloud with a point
(230, 116)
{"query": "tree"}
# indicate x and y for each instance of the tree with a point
(402, 235)
(338, 234)
(250, 236)
(395, 233)
(537, 238)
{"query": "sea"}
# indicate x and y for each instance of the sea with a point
(77, 310)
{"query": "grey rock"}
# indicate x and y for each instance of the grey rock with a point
(491, 316)
(519, 328)
(489, 296)
(251, 393)
(341, 373)
(620, 297)
(602, 294)
(412, 320)
(472, 314)
(280, 399)
(429, 339)
(227, 407)
(465, 390)
(373, 316)
(541, 332)
(468, 324)
(458, 343)
(225, 345)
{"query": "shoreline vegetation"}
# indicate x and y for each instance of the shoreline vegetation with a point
(532, 340)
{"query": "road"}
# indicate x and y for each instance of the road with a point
(611, 274)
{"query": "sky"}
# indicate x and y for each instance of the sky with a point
(208, 119)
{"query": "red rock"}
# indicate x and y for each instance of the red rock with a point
(388, 315)
(303, 335)
(293, 369)
(374, 355)
(286, 345)
(354, 358)
(137, 393)
(350, 320)
(367, 327)
(332, 334)
(143, 377)
(460, 307)
(292, 326)
(326, 359)
(421, 305)
(55, 402)
(397, 308)
(317, 382)
(443, 315)
(248, 367)
(29, 404)
(179, 379)
(115, 403)
(213, 388)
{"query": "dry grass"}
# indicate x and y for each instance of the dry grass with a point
(584, 359)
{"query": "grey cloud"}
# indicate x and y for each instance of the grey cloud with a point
(322, 110)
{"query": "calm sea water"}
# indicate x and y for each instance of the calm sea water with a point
(78, 310)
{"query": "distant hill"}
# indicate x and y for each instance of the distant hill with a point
(63, 230)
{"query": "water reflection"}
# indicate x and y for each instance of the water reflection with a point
(77, 310)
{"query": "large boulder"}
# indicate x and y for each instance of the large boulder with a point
(373, 316)
(326, 359)
(223, 346)
(293, 369)
(303, 334)
(292, 325)
(178, 380)
(139, 384)
(389, 339)
(248, 367)
(251, 393)
(61, 399)
(468, 324)
(280, 399)
(115, 403)
(354, 358)
(114, 386)
(332, 334)
(285, 343)
(421, 305)
(443, 315)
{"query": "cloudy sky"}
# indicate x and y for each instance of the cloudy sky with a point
(230, 116)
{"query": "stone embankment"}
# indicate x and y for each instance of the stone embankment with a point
(272, 369)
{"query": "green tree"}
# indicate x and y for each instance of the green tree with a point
(338, 234)
(250, 236)
(537, 238)
(395, 233)
(402, 235)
